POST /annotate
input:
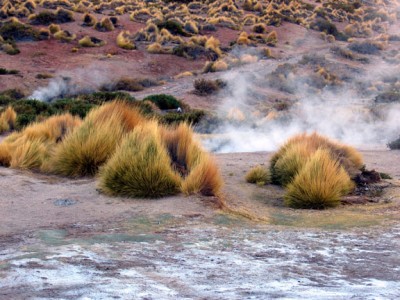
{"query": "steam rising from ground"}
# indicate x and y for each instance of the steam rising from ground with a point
(343, 113)
(84, 80)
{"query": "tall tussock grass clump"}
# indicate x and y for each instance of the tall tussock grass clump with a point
(92, 144)
(7, 119)
(198, 169)
(319, 184)
(289, 159)
(140, 167)
(315, 170)
(31, 148)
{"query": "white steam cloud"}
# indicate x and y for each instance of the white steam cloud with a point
(344, 114)
(82, 80)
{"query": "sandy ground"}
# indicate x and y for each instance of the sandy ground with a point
(185, 248)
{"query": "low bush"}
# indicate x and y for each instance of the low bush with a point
(164, 101)
(18, 32)
(4, 71)
(328, 27)
(366, 47)
(130, 84)
(207, 87)
(124, 42)
(28, 110)
(319, 184)
(191, 117)
(258, 175)
(47, 17)
(394, 145)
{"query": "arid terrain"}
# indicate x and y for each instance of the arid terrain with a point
(270, 69)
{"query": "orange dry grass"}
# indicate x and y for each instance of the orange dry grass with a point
(319, 184)
(29, 154)
(89, 146)
(53, 129)
(203, 174)
(30, 148)
(203, 178)
(7, 119)
(127, 115)
(5, 155)
(140, 167)
(348, 157)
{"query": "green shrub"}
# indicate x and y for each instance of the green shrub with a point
(328, 27)
(191, 117)
(28, 110)
(10, 95)
(173, 27)
(73, 106)
(164, 101)
(16, 31)
(99, 98)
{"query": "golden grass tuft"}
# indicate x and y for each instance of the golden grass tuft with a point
(65, 36)
(243, 39)
(5, 155)
(219, 66)
(155, 48)
(291, 162)
(53, 28)
(31, 147)
(259, 175)
(7, 119)
(202, 173)
(305, 144)
(90, 145)
(88, 41)
(213, 44)
(320, 183)
(124, 42)
(272, 38)
(204, 177)
(29, 154)
(140, 166)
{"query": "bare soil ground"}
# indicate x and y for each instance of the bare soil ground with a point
(185, 248)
